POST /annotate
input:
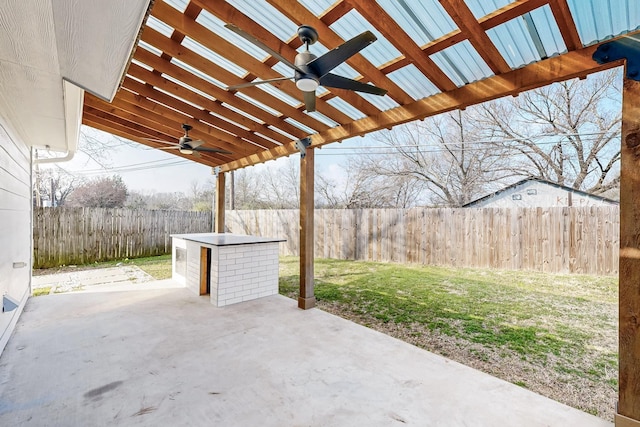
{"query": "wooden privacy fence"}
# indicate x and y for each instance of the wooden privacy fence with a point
(559, 240)
(63, 236)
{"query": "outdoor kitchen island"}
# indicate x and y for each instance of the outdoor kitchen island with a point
(230, 268)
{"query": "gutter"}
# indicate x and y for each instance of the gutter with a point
(64, 158)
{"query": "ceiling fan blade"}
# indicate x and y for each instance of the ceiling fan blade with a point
(194, 143)
(257, 82)
(330, 60)
(334, 80)
(175, 147)
(261, 45)
(164, 141)
(310, 101)
(211, 150)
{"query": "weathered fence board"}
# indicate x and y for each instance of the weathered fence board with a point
(559, 240)
(63, 236)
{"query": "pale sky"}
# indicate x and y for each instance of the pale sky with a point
(149, 170)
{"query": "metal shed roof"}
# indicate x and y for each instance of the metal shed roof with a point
(432, 56)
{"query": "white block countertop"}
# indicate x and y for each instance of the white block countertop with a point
(226, 239)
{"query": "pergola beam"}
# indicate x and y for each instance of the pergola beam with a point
(570, 65)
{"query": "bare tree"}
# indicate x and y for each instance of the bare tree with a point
(446, 155)
(362, 186)
(54, 185)
(280, 187)
(566, 133)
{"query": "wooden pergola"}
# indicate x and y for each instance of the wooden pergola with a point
(186, 60)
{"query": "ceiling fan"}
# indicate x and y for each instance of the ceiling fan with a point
(311, 71)
(186, 145)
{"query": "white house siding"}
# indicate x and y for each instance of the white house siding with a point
(15, 228)
(538, 194)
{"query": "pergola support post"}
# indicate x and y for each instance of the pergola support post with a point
(629, 271)
(220, 203)
(307, 298)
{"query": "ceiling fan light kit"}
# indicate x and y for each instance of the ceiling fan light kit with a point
(311, 71)
(187, 145)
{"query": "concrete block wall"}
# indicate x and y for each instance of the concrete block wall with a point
(193, 267)
(244, 272)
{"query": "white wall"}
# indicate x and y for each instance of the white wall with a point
(15, 228)
(539, 194)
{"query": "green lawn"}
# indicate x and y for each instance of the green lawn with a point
(554, 334)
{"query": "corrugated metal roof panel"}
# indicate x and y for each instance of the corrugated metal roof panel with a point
(412, 81)
(424, 21)
(548, 31)
(317, 7)
(462, 63)
(300, 126)
(215, 25)
(596, 22)
(268, 17)
(352, 24)
(213, 57)
(324, 119)
(198, 73)
(272, 90)
(152, 49)
(528, 38)
(258, 104)
(189, 87)
(481, 8)
(159, 26)
(346, 108)
(281, 132)
(381, 102)
(180, 5)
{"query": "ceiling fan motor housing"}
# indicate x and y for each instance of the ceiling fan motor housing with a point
(306, 81)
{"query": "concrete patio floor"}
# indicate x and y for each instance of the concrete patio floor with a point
(159, 355)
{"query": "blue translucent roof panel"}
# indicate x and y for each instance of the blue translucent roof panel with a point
(300, 126)
(346, 108)
(424, 21)
(277, 93)
(317, 7)
(191, 88)
(216, 26)
(352, 24)
(213, 57)
(150, 48)
(381, 102)
(412, 81)
(528, 38)
(197, 72)
(547, 29)
(180, 5)
(281, 132)
(462, 63)
(159, 26)
(268, 17)
(598, 20)
(258, 104)
(324, 119)
(481, 8)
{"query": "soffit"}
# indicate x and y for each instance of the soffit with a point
(46, 42)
